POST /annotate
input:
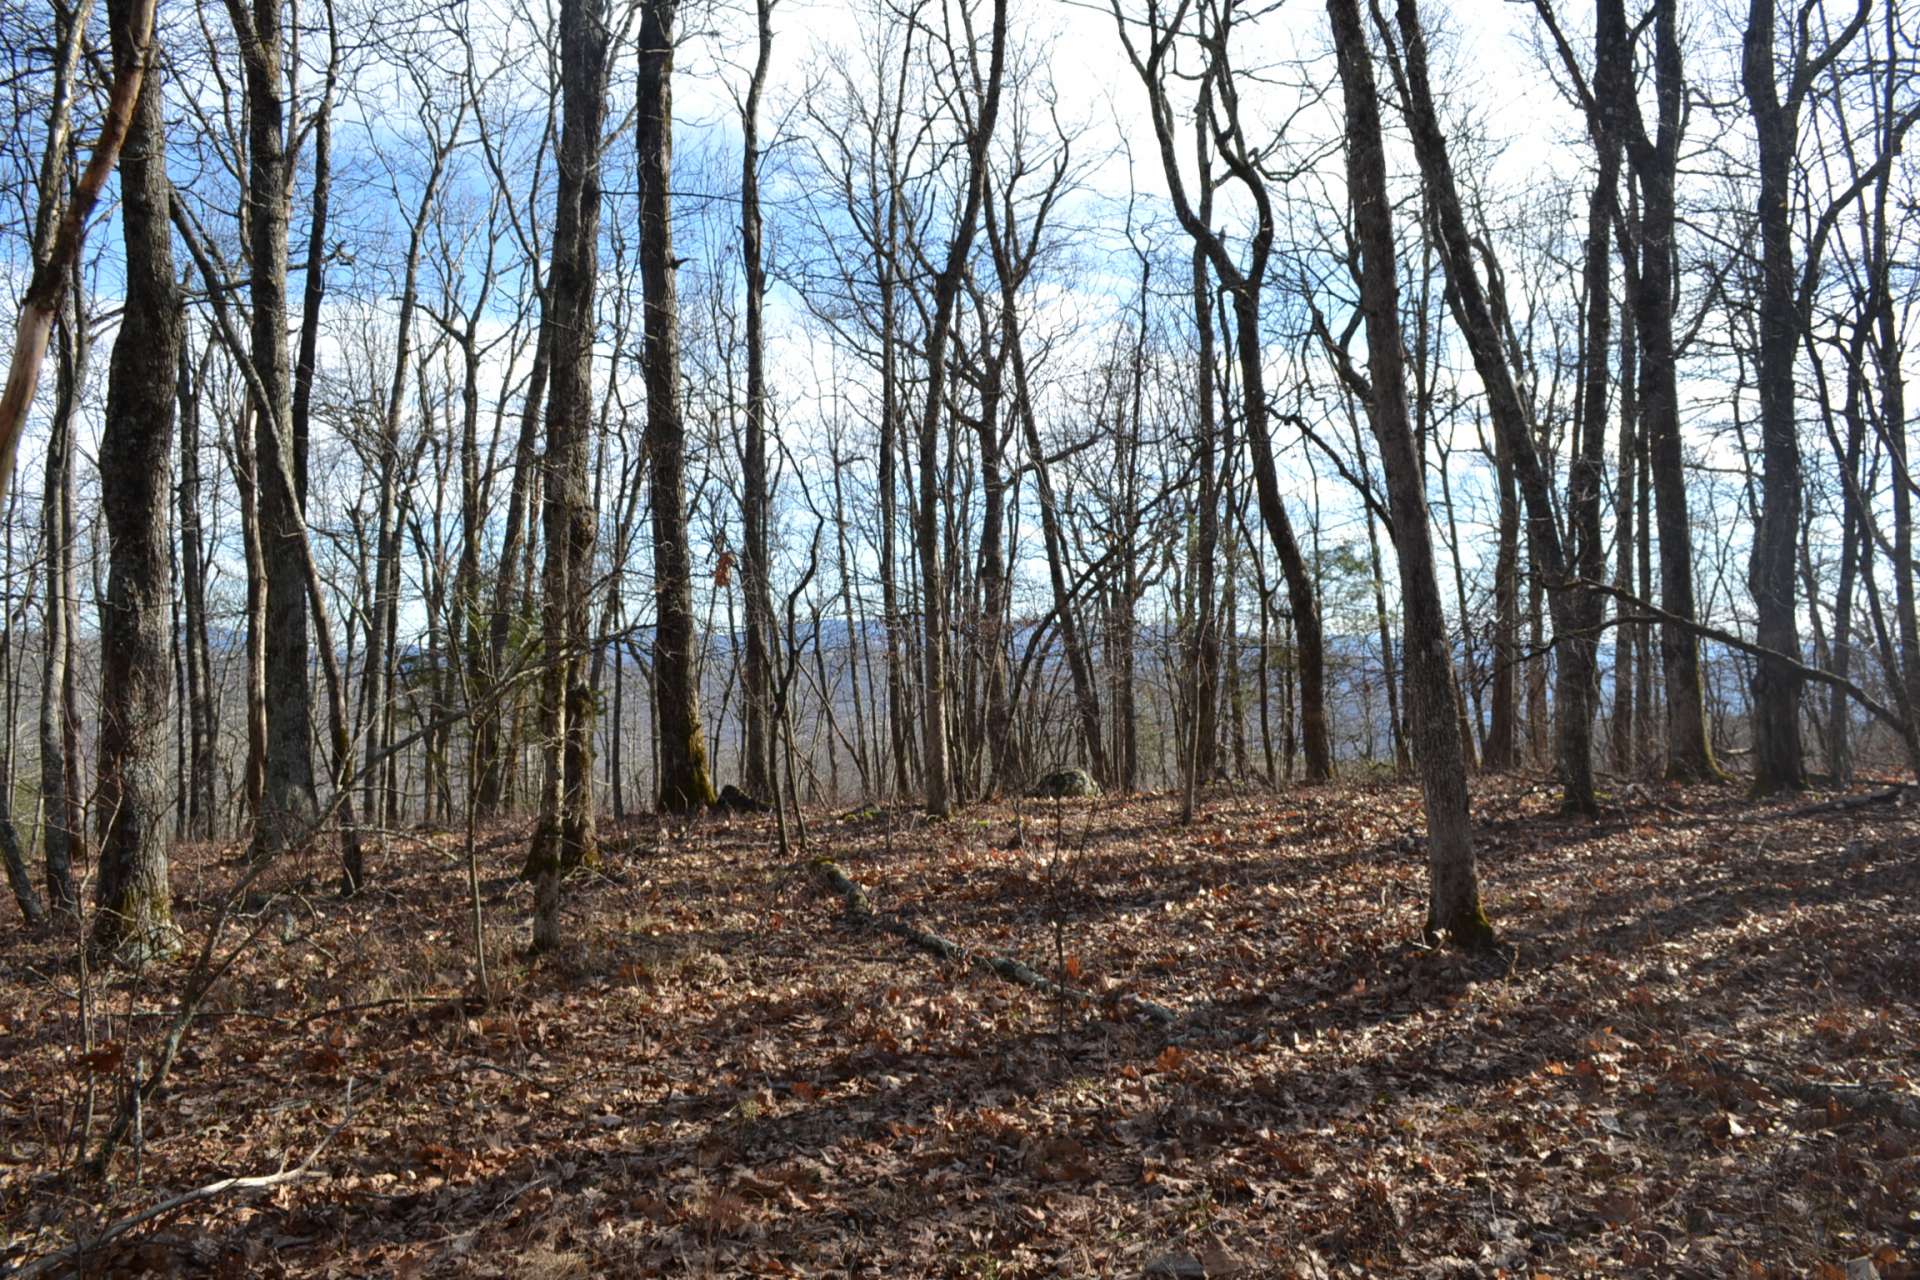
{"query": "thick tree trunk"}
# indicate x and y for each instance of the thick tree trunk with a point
(685, 783)
(1454, 911)
(288, 804)
(134, 923)
(563, 836)
(1778, 762)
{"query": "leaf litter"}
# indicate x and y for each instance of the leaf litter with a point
(1701, 1056)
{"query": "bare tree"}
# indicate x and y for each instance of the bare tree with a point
(1779, 764)
(1454, 910)
(756, 500)
(288, 803)
(685, 783)
(134, 924)
(979, 105)
(563, 836)
(1243, 283)
(1478, 305)
(1654, 160)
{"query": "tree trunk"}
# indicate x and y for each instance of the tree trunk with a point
(563, 836)
(1475, 306)
(1504, 712)
(936, 767)
(1654, 161)
(62, 839)
(491, 749)
(756, 564)
(1402, 760)
(1454, 911)
(1778, 762)
(288, 805)
(1202, 651)
(1622, 746)
(134, 924)
(58, 232)
(202, 718)
(685, 784)
(1578, 647)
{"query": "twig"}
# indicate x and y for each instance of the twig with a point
(49, 1263)
(1007, 968)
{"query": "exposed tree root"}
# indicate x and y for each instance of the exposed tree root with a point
(859, 909)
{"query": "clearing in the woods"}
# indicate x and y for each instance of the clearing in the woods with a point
(1699, 1058)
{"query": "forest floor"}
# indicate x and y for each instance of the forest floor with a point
(1701, 1058)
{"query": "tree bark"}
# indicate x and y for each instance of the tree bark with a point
(935, 765)
(1454, 911)
(288, 803)
(133, 924)
(685, 784)
(1778, 761)
(563, 836)
(1475, 305)
(756, 502)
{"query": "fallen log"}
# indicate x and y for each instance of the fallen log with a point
(1892, 795)
(859, 909)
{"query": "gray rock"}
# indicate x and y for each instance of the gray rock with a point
(1062, 784)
